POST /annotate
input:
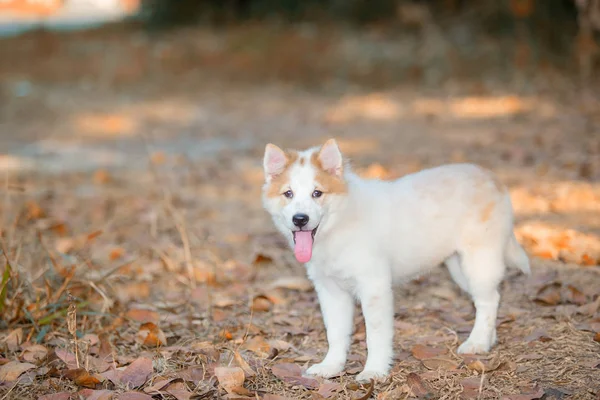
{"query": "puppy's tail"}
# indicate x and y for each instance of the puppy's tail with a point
(515, 256)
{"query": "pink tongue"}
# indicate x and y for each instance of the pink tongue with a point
(303, 246)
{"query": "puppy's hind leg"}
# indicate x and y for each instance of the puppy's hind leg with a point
(455, 269)
(483, 269)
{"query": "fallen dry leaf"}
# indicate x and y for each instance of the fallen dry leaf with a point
(34, 353)
(538, 335)
(136, 373)
(535, 393)
(158, 385)
(597, 337)
(329, 389)
(151, 335)
(471, 386)
(549, 294)
(299, 283)
(34, 210)
(440, 363)
(89, 394)
(259, 346)
(230, 378)
(590, 308)
(143, 316)
(14, 339)
(221, 300)
(367, 395)
(116, 253)
(575, 296)
(81, 377)
(196, 374)
(180, 391)
(101, 177)
(67, 357)
(262, 259)
(56, 396)
(421, 352)
(133, 396)
(11, 371)
(286, 369)
(417, 385)
(291, 373)
(261, 303)
(243, 364)
(481, 365)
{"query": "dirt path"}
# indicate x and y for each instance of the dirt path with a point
(119, 195)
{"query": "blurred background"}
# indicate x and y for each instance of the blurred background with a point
(132, 135)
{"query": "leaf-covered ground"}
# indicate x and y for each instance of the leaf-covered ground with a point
(137, 261)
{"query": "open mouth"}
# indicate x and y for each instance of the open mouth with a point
(303, 244)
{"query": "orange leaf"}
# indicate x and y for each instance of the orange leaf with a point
(150, 335)
(34, 211)
(116, 253)
(261, 303)
(101, 177)
(262, 259)
(547, 254)
(225, 334)
(588, 261)
(81, 377)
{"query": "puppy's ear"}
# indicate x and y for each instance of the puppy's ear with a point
(274, 161)
(330, 158)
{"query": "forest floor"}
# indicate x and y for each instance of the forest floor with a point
(132, 221)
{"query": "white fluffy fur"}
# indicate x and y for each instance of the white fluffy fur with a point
(383, 233)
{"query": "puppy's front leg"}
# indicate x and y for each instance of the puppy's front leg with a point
(337, 307)
(377, 302)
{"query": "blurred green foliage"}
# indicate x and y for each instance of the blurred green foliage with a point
(177, 12)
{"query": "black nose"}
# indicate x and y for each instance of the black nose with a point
(300, 220)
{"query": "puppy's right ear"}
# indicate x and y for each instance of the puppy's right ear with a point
(274, 162)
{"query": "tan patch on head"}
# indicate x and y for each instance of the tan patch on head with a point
(328, 183)
(487, 211)
(279, 181)
(302, 161)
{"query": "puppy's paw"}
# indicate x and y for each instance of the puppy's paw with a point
(474, 347)
(325, 370)
(368, 374)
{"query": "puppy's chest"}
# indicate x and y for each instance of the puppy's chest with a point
(337, 266)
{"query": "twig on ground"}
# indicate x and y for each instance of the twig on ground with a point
(72, 325)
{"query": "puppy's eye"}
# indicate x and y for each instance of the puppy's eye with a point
(289, 194)
(317, 193)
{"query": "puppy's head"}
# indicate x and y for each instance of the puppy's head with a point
(299, 189)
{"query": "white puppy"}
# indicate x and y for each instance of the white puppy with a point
(359, 237)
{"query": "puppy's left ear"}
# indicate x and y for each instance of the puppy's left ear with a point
(331, 158)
